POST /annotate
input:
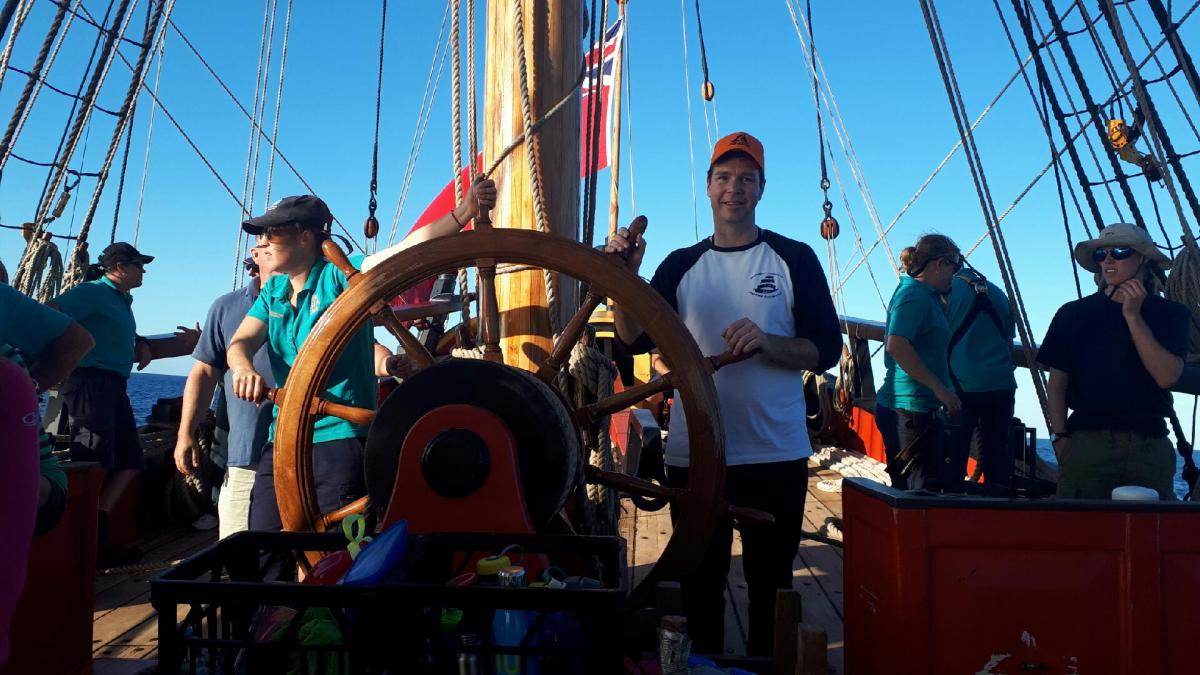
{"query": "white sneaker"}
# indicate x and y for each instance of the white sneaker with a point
(205, 522)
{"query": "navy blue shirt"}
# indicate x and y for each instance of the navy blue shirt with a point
(248, 423)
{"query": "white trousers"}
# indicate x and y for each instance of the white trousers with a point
(233, 505)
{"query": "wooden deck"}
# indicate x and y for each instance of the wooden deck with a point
(125, 632)
(124, 628)
(817, 568)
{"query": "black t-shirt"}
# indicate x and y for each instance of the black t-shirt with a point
(1109, 388)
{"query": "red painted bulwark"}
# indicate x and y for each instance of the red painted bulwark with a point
(870, 442)
(52, 627)
(1017, 587)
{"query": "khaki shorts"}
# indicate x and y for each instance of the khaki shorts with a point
(1098, 461)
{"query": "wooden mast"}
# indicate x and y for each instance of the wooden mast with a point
(614, 144)
(553, 57)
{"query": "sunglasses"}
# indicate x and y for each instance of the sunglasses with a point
(1117, 252)
(956, 262)
(274, 232)
(135, 264)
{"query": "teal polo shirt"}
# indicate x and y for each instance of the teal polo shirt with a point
(982, 358)
(916, 313)
(27, 324)
(107, 314)
(352, 381)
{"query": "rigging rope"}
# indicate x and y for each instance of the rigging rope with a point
(1085, 92)
(258, 108)
(39, 275)
(98, 77)
(1166, 77)
(704, 88)
(6, 55)
(1083, 126)
(843, 136)
(456, 100)
(150, 40)
(456, 138)
(371, 227)
(423, 115)
(975, 164)
(627, 98)
(595, 130)
(464, 287)
(137, 221)
(54, 39)
(237, 102)
(533, 157)
(687, 97)
(287, 31)
(1162, 150)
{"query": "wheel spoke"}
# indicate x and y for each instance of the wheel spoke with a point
(331, 519)
(335, 254)
(590, 413)
(319, 406)
(723, 359)
(570, 336)
(630, 484)
(489, 310)
(416, 352)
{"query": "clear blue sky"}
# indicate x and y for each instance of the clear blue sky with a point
(877, 56)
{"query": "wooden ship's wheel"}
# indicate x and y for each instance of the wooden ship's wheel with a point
(476, 445)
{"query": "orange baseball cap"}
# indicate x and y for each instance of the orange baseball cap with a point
(739, 141)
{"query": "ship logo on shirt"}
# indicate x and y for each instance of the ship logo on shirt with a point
(765, 285)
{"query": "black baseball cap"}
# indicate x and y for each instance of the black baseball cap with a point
(304, 210)
(122, 252)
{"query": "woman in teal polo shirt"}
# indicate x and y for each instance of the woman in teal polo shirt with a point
(917, 381)
(287, 308)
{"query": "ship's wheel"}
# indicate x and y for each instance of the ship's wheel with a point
(477, 416)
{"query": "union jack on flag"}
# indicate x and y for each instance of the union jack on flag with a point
(599, 78)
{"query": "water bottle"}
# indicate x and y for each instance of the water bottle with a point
(674, 645)
(509, 626)
(468, 662)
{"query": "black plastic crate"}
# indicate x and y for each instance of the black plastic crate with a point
(388, 628)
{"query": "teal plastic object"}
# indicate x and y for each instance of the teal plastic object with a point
(378, 560)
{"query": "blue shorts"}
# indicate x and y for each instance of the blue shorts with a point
(102, 427)
(338, 466)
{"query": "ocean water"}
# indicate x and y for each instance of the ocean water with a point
(146, 388)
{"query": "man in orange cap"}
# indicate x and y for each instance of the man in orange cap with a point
(746, 289)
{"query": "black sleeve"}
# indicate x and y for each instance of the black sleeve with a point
(666, 281)
(1055, 350)
(812, 305)
(1172, 327)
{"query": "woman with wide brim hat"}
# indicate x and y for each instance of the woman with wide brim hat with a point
(1112, 357)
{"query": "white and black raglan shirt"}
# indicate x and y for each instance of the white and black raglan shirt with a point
(778, 284)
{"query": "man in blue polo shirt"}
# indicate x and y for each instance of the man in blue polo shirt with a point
(248, 424)
(290, 304)
(102, 425)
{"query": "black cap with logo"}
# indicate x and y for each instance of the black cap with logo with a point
(304, 210)
(122, 252)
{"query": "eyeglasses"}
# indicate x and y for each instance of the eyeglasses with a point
(1117, 252)
(135, 264)
(955, 262)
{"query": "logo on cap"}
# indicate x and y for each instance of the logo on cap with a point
(740, 139)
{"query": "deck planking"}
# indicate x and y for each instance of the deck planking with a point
(125, 629)
(817, 569)
(124, 624)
